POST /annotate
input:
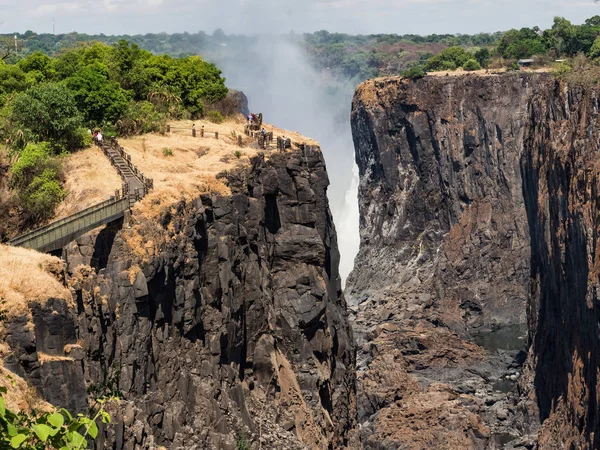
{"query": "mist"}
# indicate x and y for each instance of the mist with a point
(276, 76)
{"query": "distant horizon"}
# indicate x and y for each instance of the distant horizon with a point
(280, 17)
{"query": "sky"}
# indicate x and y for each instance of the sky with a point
(283, 16)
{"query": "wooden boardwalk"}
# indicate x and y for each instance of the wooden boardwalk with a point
(57, 234)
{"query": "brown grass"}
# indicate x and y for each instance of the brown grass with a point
(27, 276)
(20, 396)
(90, 179)
(43, 358)
(191, 170)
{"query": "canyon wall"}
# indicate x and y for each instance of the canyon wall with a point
(476, 198)
(220, 321)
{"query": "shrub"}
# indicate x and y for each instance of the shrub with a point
(141, 117)
(471, 65)
(48, 113)
(167, 152)
(36, 178)
(514, 66)
(214, 116)
(237, 154)
(414, 72)
(448, 59)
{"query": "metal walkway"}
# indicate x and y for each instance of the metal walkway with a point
(56, 235)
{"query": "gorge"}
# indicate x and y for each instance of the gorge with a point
(469, 320)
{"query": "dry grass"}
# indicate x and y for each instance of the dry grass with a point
(191, 170)
(21, 396)
(482, 72)
(43, 358)
(27, 276)
(90, 179)
(195, 162)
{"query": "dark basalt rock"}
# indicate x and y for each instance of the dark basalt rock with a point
(227, 321)
(478, 201)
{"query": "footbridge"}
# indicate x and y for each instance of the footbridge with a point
(56, 235)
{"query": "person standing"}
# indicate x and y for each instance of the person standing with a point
(99, 137)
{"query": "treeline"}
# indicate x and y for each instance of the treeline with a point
(50, 105)
(562, 41)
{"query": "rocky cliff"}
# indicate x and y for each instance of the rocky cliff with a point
(220, 321)
(476, 199)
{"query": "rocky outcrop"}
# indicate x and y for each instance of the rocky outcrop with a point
(444, 260)
(222, 320)
(561, 185)
(477, 202)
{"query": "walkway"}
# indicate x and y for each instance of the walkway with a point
(57, 234)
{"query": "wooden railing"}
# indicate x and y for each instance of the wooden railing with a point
(57, 234)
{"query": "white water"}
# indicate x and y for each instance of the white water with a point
(279, 82)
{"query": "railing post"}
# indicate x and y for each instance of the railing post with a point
(216, 135)
(240, 141)
(193, 132)
(168, 128)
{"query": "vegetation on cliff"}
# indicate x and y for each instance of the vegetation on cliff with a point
(50, 104)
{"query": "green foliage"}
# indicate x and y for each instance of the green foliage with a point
(514, 66)
(237, 154)
(167, 152)
(141, 117)
(242, 444)
(414, 72)
(448, 59)
(523, 43)
(214, 116)
(50, 430)
(36, 178)
(482, 56)
(595, 49)
(99, 99)
(471, 64)
(47, 112)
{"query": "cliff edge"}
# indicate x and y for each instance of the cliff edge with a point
(476, 198)
(219, 317)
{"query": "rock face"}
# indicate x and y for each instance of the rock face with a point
(477, 202)
(561, 185)
(224, 320)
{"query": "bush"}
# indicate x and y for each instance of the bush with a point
(514, 66)
(471, 65)
(167, 152)
(237, 154)
(448, 59)
(36, 176)
(48, 112)
(214, 117)
(414, 72)
(141, 117)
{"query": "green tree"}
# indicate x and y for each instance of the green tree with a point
(48, 112)
(595, 50)
(38, 64)
(448, 59)
(99, 99)
(482, 56)
(471, 64)
(36, 178)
